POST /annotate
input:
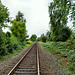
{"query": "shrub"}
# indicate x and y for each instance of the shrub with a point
(33, 37)
(72, 67)
(29, 42)
(63, 54)
(2, 43)
(44, 38)
(71, 52)
(72, 57)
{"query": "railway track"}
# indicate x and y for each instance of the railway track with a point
(29, 64)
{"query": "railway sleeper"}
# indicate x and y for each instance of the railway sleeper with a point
(25, 73)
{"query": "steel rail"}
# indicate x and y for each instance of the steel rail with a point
(17, 65)
(38, 66)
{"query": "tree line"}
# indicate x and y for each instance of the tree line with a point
(16, 39)
(59, 12)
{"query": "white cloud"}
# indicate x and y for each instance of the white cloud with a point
(35, 12)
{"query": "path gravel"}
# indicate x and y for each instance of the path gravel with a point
(47, 60)
(4, 66)
(50, 62)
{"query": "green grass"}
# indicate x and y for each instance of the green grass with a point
(64, 51)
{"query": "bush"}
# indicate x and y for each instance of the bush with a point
(72, 57)
(65, 51)
(3, 51)
(71, 52)
(44, 38)
(72, 67)
(2, 43)
(29, 42)
(33, 37)
(62, 35)
(63, 54)
(66, 33)
(13, 43)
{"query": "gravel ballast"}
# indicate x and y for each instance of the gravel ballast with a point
(47, 61)
(50, 62)
(4, 66)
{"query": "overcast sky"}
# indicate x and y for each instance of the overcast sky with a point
(35, 12)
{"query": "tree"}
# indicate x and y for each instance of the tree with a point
(44, 38)
(18, 29)
(2, 43)
(73, 15)
(33, 37)
(4, 15)
(48, 34)
(73, 12)
(39, 39)
(8, 34)
(58, 11)
(64, 34)
(19, 17)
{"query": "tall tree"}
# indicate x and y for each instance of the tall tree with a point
(73, 12)
(73, 15)
(20, 17)
(4, 15)
(48, 34)
(18, 27)
(19, 30)
(58, 11)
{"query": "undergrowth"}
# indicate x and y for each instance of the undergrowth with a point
(9, 55)
(64, 51)
(15, 52)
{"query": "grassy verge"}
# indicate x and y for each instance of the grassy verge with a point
(65, 52)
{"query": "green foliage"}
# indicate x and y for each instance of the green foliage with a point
(44, 38)
(73, 13)
(65, 51)
(33, 37)
(2, 43)
(71, 52)
(48, 34)
(29, 42)
(12, 43)
(19, 17)
(15, 42)
(59, 11)
(18, 29)
(39, 39)
(8, 34)
(72, 67)
(4, 15)
(72, 57)
(66, 33)
(8, 42)
(63, 34)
